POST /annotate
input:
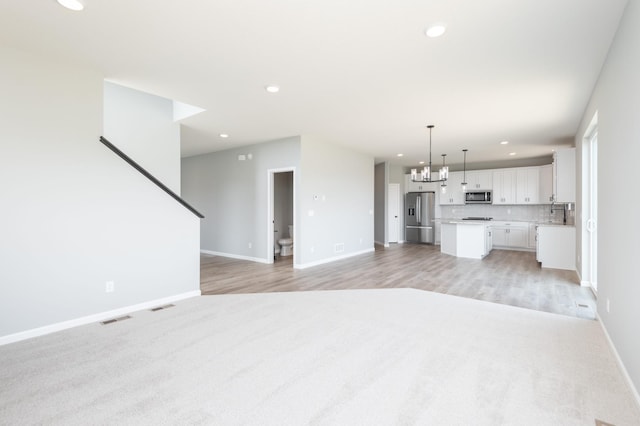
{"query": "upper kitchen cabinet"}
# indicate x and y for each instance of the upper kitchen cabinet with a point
(410, 186)
(504, 186)
(479, 179)
(564, 175)
(528, 185)
(454, 194)
(546, 184)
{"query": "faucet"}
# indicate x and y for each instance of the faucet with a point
(564, 211)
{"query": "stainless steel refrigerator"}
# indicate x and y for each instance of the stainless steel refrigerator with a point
(419, 210)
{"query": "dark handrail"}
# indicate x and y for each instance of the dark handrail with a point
(149, 176)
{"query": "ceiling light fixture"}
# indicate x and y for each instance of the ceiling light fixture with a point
(435, 30)
(504, 142)
(425, 173)
(464, 171)
(400, 155)
(224, 135)
(512, 153)
(272, 88)
(76, 5)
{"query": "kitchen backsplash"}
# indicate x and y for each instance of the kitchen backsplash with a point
(537, 213)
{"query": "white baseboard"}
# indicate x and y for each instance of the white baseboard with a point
(235, 256)
(625, 373)
(48, 329)
(332, 259)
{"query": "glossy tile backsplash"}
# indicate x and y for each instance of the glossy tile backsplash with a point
(537, 213)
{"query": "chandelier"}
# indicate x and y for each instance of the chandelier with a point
(425, 173)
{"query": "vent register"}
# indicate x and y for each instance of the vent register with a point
(126, 317)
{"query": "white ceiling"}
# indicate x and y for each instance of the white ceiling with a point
(357, 72)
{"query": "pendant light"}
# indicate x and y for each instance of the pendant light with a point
(425, 173)
(444, 175)
(464, 171)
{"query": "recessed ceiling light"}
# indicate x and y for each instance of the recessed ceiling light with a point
(435, 30)
(72, 4)
(272, 88)
(504, 142)
(400, 155)
(421, 162)
(224, 135)
(512, 153)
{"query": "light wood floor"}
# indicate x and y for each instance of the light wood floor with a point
(507, 277)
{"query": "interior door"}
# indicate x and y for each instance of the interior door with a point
(393, 209)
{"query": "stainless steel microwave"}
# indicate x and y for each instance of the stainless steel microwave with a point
(478, 197)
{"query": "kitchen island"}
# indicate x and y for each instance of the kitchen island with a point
(466, 238)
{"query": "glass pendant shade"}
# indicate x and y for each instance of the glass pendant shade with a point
(426, 173)
(414, 174)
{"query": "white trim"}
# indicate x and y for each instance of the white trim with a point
(235, 256)
(48, 329)
(333, 259)
(624, 371)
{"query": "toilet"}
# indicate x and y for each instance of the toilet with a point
(286, 244)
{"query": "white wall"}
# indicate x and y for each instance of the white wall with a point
(336, 201)
(616, 98)
(333, 182)
(232, 195)
(141, 125)
(74, 215)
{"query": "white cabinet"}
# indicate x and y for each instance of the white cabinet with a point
(533, 237)
(546, 184)
(453, 194)
(488, 242)
(479, 179)
(564, 175)
(557, 246)
(410, 186)
(513, 235)
(528, 185)
(504, 186)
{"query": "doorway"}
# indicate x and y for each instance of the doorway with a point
(281, 215)
(590, 204)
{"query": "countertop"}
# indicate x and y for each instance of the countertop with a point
(562, 225)
(498, 221)
(463, 222)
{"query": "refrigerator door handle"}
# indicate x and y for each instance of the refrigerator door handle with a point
(418, 212)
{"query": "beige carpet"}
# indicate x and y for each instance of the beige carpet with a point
(352, 357)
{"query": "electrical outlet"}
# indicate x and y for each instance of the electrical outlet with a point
(608, 305)
(109, 287)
